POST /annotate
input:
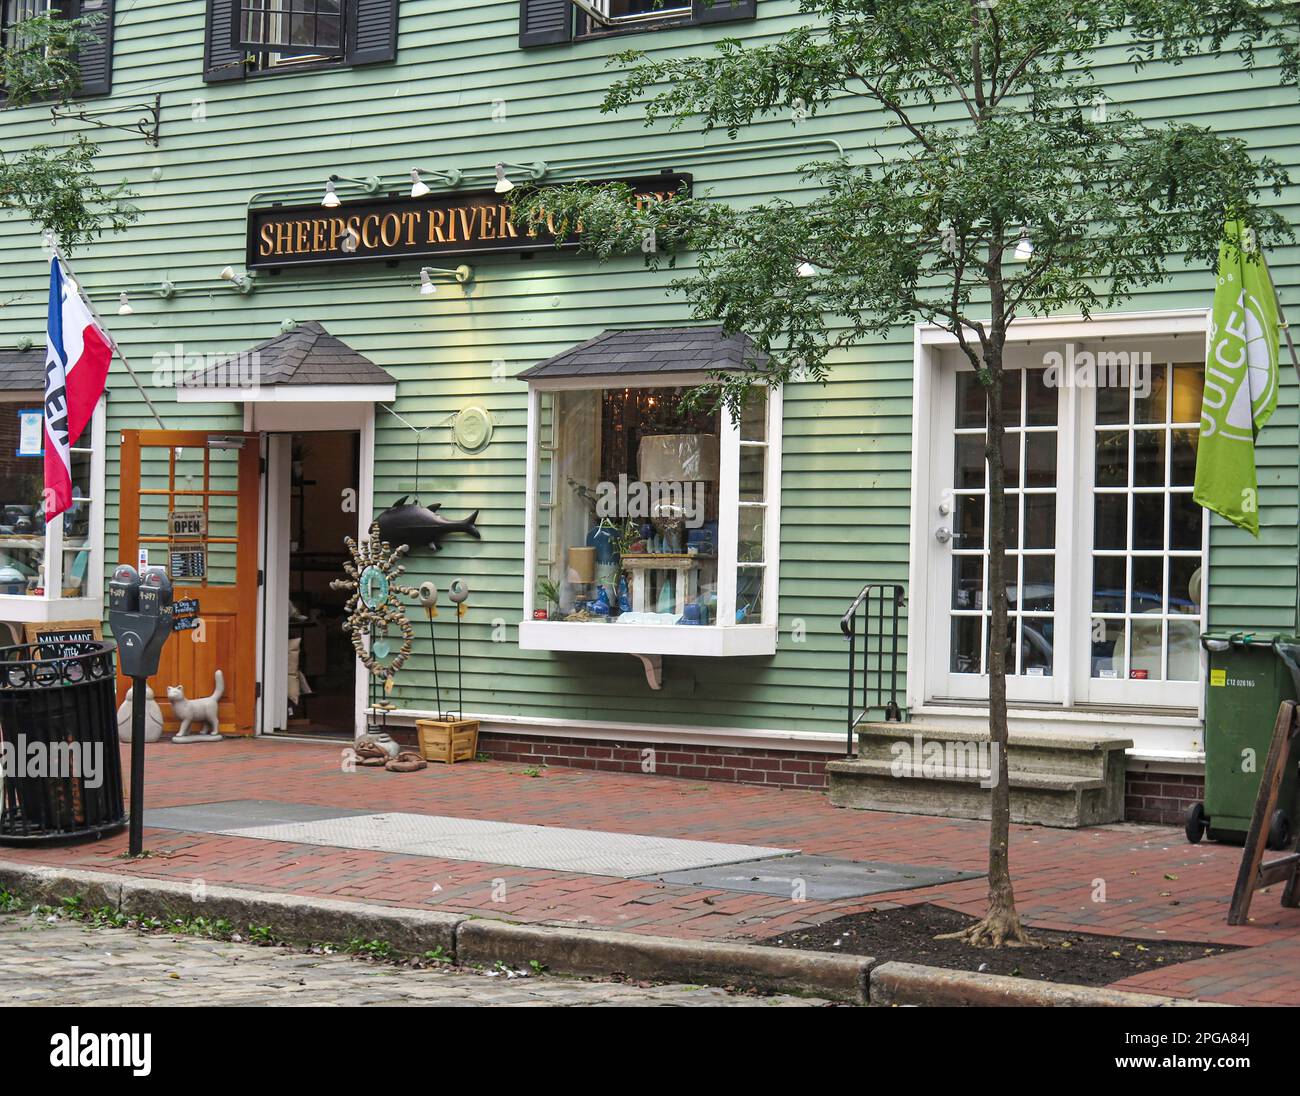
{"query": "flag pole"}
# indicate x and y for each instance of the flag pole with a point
(104, 327)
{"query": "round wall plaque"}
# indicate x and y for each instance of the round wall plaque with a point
(472, 429)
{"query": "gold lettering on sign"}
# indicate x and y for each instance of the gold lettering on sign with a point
(372, 221)
(436, 217)
(318, 234)
(506, 222)
(412, 220)
(266, 245)
(336, 232)
(466, 223)
(301, 239)
(390, 229)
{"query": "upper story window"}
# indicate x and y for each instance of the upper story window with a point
(14, 12)
(251, 37)
(627, 13)
(291, 28)
(548, 22)
(94, 52)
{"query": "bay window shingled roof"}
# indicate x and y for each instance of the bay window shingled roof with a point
(22, 370)
(306, 355)
(651, 350)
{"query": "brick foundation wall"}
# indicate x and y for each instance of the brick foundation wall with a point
(1161, 797)
(770, 768)
(1158, 798)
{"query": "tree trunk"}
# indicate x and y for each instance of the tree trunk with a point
(1001, 923)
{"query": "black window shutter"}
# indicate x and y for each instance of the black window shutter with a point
(544, 22)
(221, 61)
(723, 11)
(95, 59)
(372, 31)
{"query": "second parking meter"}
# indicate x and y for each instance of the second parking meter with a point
(140, 611)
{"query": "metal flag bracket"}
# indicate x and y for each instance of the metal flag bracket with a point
(148, 122)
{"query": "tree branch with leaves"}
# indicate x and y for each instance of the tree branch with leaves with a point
(991, 128)
(55, 188)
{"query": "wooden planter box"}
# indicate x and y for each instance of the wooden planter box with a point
(447, 740)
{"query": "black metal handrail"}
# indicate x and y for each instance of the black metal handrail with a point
(880, 604)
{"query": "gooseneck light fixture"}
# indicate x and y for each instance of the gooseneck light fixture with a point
(460, 274)
(420, 189)
(370, 184)
(242, 282)
(124, 305)
(535, 172)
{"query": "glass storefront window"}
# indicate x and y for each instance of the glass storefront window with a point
(628, 508)
(32, 552)
(633, 522)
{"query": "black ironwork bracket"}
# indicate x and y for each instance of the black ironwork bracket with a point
(148, 124)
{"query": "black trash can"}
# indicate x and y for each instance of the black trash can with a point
(59, 759)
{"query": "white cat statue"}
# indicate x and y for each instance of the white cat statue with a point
(202, 710)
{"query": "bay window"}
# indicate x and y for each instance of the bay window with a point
(653, 524)
(48, 570)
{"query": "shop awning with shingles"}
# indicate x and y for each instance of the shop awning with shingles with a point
(305, 365)
(651, 351)
(22, 370)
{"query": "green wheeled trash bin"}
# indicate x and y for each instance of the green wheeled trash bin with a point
(1250, 674)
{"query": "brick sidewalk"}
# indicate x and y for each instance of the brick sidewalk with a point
(1155, 884)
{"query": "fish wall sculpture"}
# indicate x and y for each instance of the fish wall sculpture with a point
(407, 522)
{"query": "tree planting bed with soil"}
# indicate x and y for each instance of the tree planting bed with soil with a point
(907, 935)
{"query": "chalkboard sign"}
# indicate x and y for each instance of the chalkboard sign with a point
(59, 637)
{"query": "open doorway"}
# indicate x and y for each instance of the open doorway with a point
(320, 475)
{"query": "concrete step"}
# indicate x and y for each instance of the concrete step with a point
(1080, 754)
(1065, 780)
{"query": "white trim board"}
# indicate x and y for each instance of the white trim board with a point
(292, 393)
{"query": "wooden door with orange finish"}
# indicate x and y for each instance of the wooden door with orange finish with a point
(190, 472)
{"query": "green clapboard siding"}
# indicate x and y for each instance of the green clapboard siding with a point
(462, 94)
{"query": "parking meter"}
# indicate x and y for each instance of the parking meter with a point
(140, 612)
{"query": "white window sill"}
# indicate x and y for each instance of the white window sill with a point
(41, 610)
(648, 639)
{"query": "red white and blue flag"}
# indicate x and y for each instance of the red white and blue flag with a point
(77, 353)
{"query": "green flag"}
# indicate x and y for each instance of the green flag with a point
(1240, 382)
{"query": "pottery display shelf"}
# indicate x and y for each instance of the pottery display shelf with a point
(684, 567)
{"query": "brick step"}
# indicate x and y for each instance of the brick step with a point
(1047, 799)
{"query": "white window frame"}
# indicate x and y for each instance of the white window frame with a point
(1073, 687)
(721, 639)
(52, 605)
(668, 11)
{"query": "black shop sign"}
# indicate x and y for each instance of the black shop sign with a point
(442, 226)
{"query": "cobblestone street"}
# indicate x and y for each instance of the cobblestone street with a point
(65, 963)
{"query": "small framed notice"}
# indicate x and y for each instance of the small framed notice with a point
(31, 433)
(56, 635)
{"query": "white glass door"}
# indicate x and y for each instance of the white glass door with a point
(959, 643)
(1143, 538)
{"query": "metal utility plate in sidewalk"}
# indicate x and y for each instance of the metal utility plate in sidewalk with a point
(553, 848)
(823, 878)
